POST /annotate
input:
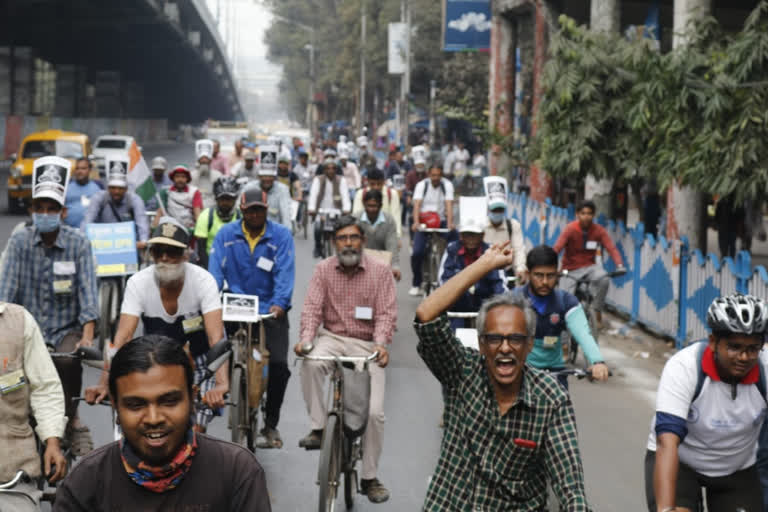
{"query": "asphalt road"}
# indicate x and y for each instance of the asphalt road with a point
(613, 418)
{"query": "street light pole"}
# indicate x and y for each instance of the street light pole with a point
(405, 79)
(311, 105)
(362, 68)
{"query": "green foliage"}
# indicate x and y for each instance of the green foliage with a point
(617, 108)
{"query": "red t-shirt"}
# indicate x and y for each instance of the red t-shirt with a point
(580, 252)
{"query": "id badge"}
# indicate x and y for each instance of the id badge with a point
(591, 245)
(62, 286)
(265, 264)
(192, 324)
(85, 201)
(364, 313)
(550, 341)
(12, 381)
(274, 211)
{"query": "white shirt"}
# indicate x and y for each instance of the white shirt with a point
(326, 202)
(352, 175)
(432, 198)
(722, 432)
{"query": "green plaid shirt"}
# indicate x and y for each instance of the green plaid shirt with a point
(481, 468)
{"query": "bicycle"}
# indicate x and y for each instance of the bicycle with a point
(431, 265)
(341, 447)
(9, 488)
(249, 359)
(326, 217)
(585, 296)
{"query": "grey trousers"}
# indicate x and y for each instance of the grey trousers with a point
(599, 285)
(18, 502)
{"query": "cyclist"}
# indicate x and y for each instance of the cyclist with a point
(161, 463)
(380, 229)
(236, 158)
(352, 296)
(288, 178)
(182, 201)
(211, 220)
(328, 191)
(390, 198)
(457, 159)
(29, 386)
(433, 196)
(501, 229)
(49, 271)
(219, 163)
(509, 428)
(278, 195)
(581, 239)
(161, 181)
(414, 176)
(460, 254)
(710, 407)
(350, 171)
(118, 204)
(79, 193)
(556, 311)
(304, 170)
(246, 170)
(256, 257)
(176, 299)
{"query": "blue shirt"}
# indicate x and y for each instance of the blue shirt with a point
(102, 210)
(555, 313)
(56, 284)
(491, 284)
(152, 204)
(268, 272)
(77, 201)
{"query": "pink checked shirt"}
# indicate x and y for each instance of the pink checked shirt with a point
(333, 297)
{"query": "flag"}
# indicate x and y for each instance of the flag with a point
(139, 178)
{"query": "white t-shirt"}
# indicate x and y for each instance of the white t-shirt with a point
(199, 296)
(722, 432)
(432, 198)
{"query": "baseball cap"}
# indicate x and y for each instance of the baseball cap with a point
(471, 225)
(249, 155)
(283, 158)
(169, 231)
(497, 202)
(50, 177)
(253, 195)
(159, 163)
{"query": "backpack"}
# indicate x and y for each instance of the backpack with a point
(425, 180)
(509, 229)
(761, 384)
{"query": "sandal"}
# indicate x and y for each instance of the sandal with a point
(270, 438)
(80, 440)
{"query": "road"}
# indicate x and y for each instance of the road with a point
(613, 418)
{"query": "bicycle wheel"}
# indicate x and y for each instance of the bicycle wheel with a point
(253, 429)
(238, 414)
(330, 465)
(305, 221)
(106, 295)
(350, 475)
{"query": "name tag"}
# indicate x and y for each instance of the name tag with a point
(274, 211)
(550, 341)
(363, 313)
(64, 268)
(265, 264)
(591, 245)
(85, 201)
(62, 286)
(193, 324)
(12, 381)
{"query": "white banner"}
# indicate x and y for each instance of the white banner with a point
(397, 62)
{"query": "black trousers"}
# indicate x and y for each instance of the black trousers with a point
(276, 331)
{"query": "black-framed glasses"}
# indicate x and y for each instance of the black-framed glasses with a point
(351, 238)
(495, 340)
(734, 349)
(171, 251)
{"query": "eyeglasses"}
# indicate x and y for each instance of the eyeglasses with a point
(350, 238)
(734, 349)
(541, 276)
(494, 340)
(172, 252)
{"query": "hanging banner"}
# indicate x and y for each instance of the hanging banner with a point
(466, 25)
(397, 53)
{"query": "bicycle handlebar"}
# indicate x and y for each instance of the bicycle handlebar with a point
(425, 229)
(21, 476)
(579, 373)
(87, 353)
(460, 314)
(343, 359)
(82, 399)
(588, 279)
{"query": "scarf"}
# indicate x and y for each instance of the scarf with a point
(164, 478)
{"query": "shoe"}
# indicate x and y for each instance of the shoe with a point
(270, 438)
(312, 440)
(375, 490)
(316, 253)
(414, 291)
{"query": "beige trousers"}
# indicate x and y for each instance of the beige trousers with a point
(313, 379)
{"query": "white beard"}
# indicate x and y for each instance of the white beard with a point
(169, 273)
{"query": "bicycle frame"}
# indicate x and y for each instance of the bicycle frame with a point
(431, 263)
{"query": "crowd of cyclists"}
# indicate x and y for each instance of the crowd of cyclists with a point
(227, 224)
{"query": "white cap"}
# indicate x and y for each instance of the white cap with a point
(159, 163)
(419, 160)
(471, 225)
(50, 177)
(117, 173)
(362, 141)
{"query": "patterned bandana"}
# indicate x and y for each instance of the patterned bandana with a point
(164, 478)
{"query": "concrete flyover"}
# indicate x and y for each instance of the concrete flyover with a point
(146, 59)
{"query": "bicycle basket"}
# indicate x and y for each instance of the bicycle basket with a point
(257, 377)
(357, 394)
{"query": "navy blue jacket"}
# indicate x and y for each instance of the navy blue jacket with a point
(491, 284)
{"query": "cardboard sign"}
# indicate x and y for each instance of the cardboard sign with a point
(240, 308)
(268, 159)
(114, 248)
(495, 189)
(204, 147)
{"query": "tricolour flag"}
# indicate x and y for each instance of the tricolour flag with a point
(139, 178)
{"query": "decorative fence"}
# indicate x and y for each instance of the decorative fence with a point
(668, 287)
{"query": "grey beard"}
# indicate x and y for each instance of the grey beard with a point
(169, 273)
(349, 257)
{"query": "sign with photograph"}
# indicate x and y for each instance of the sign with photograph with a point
(240, 308)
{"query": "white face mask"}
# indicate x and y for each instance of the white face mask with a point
(169, 273)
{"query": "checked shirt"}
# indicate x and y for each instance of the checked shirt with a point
(481, 468)
(32, 271)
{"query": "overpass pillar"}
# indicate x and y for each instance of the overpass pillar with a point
(107, 94)
(70, 84)
(132, 99)
(16, 79)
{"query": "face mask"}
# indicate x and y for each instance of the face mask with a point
(496, 218)
(46, 222)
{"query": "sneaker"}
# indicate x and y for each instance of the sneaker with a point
(312, 440)
(414, 291)
(316, 253)
(375, 490)
(270, 438)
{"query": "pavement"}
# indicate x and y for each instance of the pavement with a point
(613, 418)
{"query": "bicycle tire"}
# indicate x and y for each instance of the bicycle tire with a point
(105, 312)
(305, 222)
(239, 399)
(329, 468)
(253, 429)
(350, 480)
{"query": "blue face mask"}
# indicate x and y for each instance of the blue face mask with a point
(46, 222)
(497, 218)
